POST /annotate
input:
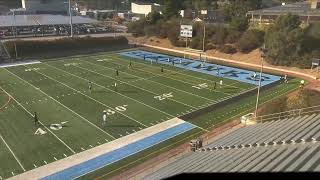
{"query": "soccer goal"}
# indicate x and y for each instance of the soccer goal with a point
(198, 54)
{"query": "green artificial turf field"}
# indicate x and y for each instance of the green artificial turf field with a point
(71, 115)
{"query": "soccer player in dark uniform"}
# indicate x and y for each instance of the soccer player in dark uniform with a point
(117, 72)
(36, 120)
(90, 86)
(161, 68)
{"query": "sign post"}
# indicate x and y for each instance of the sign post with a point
(316, 63)
(186, 32)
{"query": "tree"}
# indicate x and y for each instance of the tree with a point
(171, 8)
(283, 41)
(137, 27)
(153, 17)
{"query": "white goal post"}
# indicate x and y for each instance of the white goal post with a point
(201, 56)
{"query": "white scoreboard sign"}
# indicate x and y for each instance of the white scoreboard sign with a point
(186, 31)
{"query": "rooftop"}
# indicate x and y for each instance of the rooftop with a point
(35, 20)
(299, 8)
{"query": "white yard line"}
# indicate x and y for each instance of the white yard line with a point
(61, 104)
(159, 75)
(230, 85)
(134, 86)
(111, 90)
(148, 79)
(91, 98)
(39, 121)
(12, 153)
(128, 97)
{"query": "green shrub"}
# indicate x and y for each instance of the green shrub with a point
(250, 40)
(232, 37)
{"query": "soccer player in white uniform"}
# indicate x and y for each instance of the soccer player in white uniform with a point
(254, 75)
(115, 86)
(104, 117)
(221, 83)
(301, 83)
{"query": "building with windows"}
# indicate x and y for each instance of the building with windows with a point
(308, 11)
(142, 8)
(45, 6)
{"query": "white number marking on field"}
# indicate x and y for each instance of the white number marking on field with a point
(57, 127)
(32, 69)
(164, 96)
(71, 64)
(121, 108)
(201, 86)
(118, 108)
(40, 132)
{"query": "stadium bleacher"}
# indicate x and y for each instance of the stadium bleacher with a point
(288, 145)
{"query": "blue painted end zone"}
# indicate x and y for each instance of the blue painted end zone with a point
(207, 68)
(116, 155)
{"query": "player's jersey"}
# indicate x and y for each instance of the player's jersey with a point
(104, 117)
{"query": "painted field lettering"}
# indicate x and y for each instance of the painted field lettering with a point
(57, 127)
(121, 108)
(71, 64)
(118, 108)
(201, 86)
(32, 69)
(40, 132)
(164, 96)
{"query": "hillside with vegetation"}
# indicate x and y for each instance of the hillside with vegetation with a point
(288, 42)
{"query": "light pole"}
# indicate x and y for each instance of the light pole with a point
(204, 36)
(263, 54)
(15, 32)
(70, 15)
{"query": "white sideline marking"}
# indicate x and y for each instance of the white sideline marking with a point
(12, 153)
(19, 64)
(84, 156)
(95, 101)
(32, 114)
(62, 105)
